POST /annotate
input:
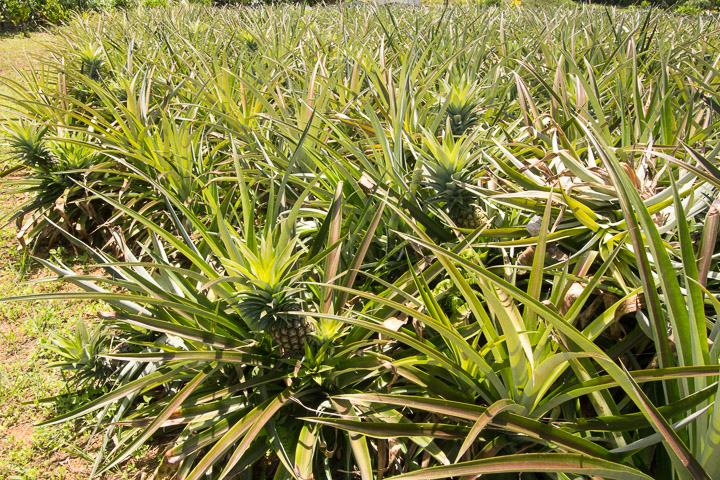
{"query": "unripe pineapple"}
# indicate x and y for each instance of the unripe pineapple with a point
(273, 312)
(291, 334)
(470, 216)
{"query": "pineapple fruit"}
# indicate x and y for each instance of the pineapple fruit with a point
(470, 216)
(292, 333)
(274, 313)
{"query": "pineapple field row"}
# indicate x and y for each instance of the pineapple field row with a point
(372, 242)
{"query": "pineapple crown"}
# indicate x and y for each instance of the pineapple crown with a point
(448, 165)
(462, 100)
(463, 92)
(92, 59)
(269, 270)
(250, 41)
(71, 159)
(72, 153)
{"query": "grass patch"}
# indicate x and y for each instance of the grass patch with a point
(18, 52)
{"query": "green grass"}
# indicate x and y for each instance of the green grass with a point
(18, 52)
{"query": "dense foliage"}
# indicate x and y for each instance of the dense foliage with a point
(29, 14)
(25, 14)
(360, 242)
(661, 3)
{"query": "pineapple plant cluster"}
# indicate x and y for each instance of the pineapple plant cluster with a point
(378, 242)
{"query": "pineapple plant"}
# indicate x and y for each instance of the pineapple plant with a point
(462, 101)
(27, 145)
(271, 301)
(250, 42)
(92, 60)
(54, 170)
(449, 169)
